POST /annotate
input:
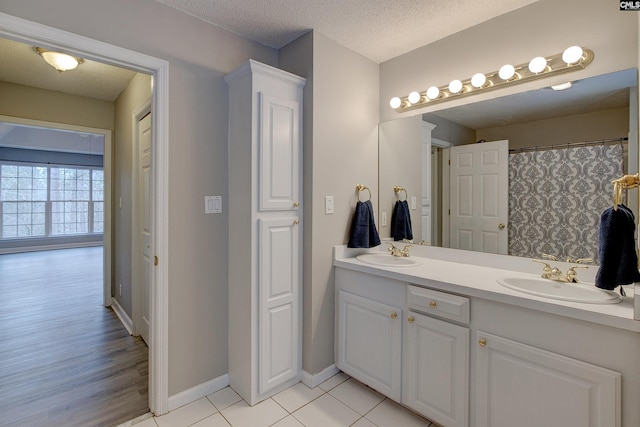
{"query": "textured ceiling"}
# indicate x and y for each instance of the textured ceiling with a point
(377, 29)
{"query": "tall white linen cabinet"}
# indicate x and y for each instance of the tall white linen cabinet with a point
(265, 230)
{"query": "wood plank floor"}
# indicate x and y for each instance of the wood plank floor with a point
(65, 359)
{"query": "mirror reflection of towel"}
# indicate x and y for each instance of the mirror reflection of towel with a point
(363, 227)
(618, 259)
(401, 221)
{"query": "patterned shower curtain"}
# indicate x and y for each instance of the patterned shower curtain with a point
(556, 197)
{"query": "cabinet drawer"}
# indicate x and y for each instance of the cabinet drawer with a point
(447, 306)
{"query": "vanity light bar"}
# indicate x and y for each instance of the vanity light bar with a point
(573, 58)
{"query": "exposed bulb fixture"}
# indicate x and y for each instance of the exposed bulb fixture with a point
(538, 64)
(573, 58)
(506, 72)
(433, 92)
(58, 60)
(414, 97)
(478, 80)
(455, 86)
(572, 54)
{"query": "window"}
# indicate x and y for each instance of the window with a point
(40, 201)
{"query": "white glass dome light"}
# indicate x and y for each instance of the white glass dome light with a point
(455, 86)
(537, 64)
(414, 97)
(572, 54)
(478, 80)
(395, 102)
(506, 72)
(433, 93)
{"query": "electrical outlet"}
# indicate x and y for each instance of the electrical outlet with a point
(383, 219)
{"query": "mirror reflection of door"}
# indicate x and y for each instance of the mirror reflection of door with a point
(144, 213)
(478, 180)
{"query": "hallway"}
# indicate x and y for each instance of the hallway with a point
(65, 360)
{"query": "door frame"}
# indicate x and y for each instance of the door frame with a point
(33, 33)
(136, 291)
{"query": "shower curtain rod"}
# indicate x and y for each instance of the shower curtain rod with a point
(571, 144)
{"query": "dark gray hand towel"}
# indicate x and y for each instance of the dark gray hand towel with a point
(363, 227)
(618, 259)
(401, 221)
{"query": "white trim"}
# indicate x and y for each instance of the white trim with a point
(198, 392)
(23, 249)
(122, 315)
(441, 143)
(37, 34)
(137, 297)
(314, 380)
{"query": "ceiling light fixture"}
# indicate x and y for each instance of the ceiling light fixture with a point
(573, 58)
(58, 60)
(562, 86)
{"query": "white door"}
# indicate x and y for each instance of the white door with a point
(370, 336)
(279, 343)
(478, 186)
(436, 370)
(524, 386)
(144, 219)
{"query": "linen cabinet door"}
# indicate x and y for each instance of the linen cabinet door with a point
(436, 370)
(279, 295)
(370, 348)
(279, 145)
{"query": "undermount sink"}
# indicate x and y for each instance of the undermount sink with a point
(574, 292)
(386, 260)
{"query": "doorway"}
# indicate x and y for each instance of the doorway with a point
(36, 34)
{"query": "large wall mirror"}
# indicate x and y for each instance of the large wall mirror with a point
(523, 174)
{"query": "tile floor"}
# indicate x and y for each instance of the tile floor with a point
(339, 401)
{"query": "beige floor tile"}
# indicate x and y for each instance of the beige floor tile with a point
(334, 381)
(290, 421)
(263, 414)
(224, 398)
(326, 411)
(188, 414)
(390, 414)
(363, 422)
(297, 396)
(215, 420)
(357, 396)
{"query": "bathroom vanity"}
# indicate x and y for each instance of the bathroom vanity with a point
(445, 339)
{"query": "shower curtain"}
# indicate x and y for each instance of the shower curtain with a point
(556, 197)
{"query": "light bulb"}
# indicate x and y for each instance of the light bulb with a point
(455, 86)
(395, 102)
(572, 54)
(537, 64)
(478, 80)
(414, 97)
(506, 72)
(433, 92)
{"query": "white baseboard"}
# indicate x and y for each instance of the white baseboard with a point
(122, 315)
(198, 392)
(314, 380)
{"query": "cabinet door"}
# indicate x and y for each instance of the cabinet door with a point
(436, 370)
(369, 342)
(517, 384)
(279, 292)
(279, 148)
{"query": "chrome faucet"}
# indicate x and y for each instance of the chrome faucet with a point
(396, 251)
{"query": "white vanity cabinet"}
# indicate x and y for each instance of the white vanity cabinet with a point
(537, 388)
(435, 379)
(265, 234)
(369, 330)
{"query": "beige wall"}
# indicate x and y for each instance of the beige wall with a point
(199, 55)
(137, 92)
(51, 106)
(341, 150)
(542, 28)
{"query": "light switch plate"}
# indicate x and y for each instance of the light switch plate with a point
(413, 202)
(212, 204)
(383, 219)
(328, 205)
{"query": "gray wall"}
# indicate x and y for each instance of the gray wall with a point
(199, 55)
(340, 151)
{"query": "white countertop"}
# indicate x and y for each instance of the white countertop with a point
(481, 282)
